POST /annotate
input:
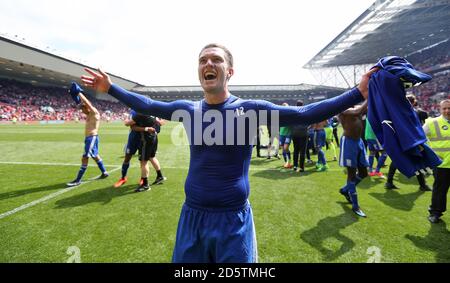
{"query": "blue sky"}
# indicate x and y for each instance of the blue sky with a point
(157, 42)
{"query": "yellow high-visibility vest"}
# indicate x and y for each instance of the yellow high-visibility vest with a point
(439, 139)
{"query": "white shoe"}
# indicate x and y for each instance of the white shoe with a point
(73, 183)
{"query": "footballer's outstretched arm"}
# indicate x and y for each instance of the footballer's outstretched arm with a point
(101, 82)
(315, 112)
(324, 109)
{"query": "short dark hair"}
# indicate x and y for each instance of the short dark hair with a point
(228, 55)
(300, 103)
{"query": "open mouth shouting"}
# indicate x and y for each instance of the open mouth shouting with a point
(209, 76)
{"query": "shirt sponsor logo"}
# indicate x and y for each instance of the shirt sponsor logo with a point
(388, 123)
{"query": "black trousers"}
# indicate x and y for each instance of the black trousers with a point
(258, 143)
(310, 146)
(440, 190)
(391, 173)
(335, 134)
(300, 144)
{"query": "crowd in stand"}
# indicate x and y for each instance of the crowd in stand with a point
(432, 61)
(25, 102)
(428, 58)
(430, 94)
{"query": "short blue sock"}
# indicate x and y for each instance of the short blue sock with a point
(344, 189)
(381, 161)
(81, 173)
(101, 166)
(351, 190)
(125, 167)
(284, 155)
(371, 160)
(321, 157)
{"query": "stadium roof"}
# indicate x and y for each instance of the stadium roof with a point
(388, 27)
(185, 89)
(33, 65)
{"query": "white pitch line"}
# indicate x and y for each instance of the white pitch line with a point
(50, 196)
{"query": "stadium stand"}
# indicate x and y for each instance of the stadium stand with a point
(435, 61)
(27, 102)
(33, 85)
(430, 94)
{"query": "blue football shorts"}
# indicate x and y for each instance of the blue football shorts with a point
(211, 236)
(353, 153)
(285, 140)
(90, 146)
(374, 145)
(319, 138)
(134, 143)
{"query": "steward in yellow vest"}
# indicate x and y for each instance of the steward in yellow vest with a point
(439, 138)
(438, 133)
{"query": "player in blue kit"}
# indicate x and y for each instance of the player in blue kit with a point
(310, 145)
(353, 154)
(319, 142)
(91, 134)
(132, 146)
(216, 221)
(374, 147)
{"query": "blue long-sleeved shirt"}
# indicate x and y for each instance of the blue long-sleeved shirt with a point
(218, 172)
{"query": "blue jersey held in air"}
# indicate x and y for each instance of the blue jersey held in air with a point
(221, 139)
(396, 124)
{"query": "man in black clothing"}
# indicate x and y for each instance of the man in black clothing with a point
(258, 141)
(423, 115)
(335, 124)
(300, 139)
(147, 126)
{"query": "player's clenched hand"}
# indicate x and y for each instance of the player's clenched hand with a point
(100, 81)
(364, 83)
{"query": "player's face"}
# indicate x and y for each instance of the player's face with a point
(445, 110)
(213, 70)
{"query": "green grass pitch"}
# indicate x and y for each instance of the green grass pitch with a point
(299, 217)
